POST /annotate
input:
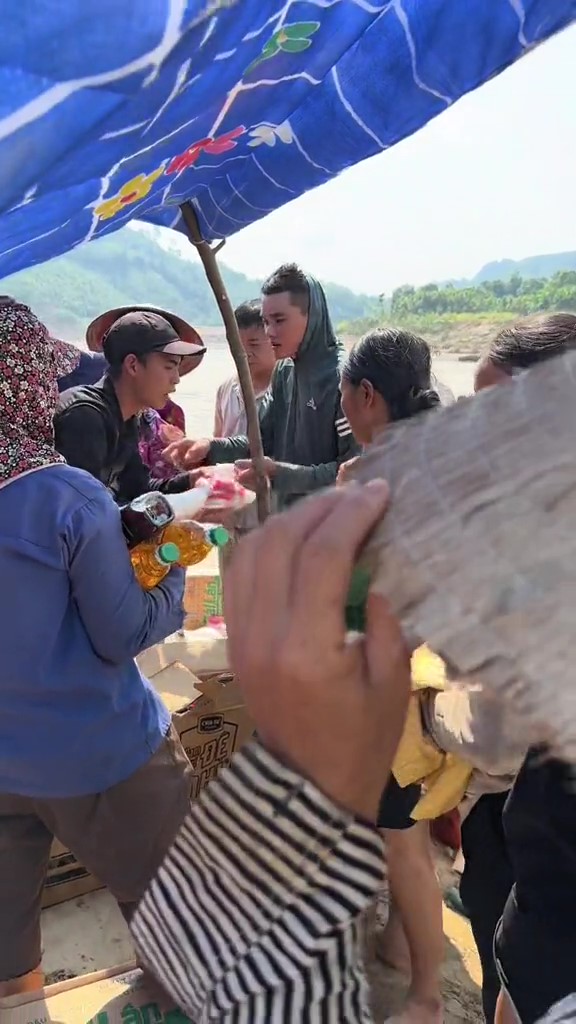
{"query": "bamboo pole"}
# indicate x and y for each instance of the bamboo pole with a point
(208, 257)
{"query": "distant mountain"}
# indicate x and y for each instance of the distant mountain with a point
(532, 266)
(133, 266)
(141, 263)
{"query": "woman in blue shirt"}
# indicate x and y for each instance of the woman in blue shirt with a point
(77, 368)
(87, 752)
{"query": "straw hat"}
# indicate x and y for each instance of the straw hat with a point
(99, 327)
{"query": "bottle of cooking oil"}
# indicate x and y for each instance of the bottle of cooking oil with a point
(153, 561)
(194, 540)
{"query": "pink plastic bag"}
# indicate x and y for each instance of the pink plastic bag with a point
(226, 494)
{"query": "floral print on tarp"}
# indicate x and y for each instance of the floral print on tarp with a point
(238, 106)
(134, 190)
(288, 39)
(140, 186)
(210, 147)
(269, 134)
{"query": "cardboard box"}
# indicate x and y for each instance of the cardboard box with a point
(67, 879)
(118, 996)
(209, 714)
(210, 717)
(200, 654)
(202, 599)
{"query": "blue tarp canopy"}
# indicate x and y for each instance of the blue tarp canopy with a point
(114, 109)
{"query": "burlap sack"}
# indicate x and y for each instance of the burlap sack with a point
(477, 553)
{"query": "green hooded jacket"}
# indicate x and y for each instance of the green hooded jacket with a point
(301, 420)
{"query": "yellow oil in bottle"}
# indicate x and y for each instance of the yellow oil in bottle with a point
(195, 541)
(153, 561)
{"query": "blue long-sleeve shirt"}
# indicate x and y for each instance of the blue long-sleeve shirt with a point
(76, 715)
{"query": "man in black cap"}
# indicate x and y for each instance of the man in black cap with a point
(96, 427)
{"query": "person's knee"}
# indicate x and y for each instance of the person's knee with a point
(30, 982)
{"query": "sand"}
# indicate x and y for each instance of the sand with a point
(461, 972)
(89, 934)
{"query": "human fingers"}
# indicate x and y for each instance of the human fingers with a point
(262, 568)
(176, 449)
(325, 562)
(199, 474)
(344, 471)
(246, 477)
(196, 453)
(387, 653)
(384, 681)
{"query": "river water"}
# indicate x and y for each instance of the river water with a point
(197, 391)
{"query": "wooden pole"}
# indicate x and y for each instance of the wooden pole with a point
(212, 270)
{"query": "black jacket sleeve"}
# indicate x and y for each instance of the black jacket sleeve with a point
(81, 436)
(290, 479)
(135, 480)
(229, 449)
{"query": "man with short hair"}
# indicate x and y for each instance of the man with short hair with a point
(96, 427)
(305, 434)
(230, 413)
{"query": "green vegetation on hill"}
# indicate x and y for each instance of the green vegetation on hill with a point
(132, 266)
(129, 267)
(516, 295)
(463, 319)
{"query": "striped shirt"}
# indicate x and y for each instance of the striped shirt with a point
(254, 917)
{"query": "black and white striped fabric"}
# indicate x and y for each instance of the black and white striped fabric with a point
(254, 915)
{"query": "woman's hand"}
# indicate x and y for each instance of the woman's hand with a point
(187, 454)
(331, 708)
(246, 471)
(344, 471)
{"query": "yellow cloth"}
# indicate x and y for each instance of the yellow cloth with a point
(445, 776)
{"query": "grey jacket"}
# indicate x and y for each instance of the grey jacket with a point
(302, 423)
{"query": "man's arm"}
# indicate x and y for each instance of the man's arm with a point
(218, 412)
(292, 872)
(230, 449)
(81, 436)
(289, 479)
(135, 480)
(120, 618)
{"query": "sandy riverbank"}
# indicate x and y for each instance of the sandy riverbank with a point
(89, 934)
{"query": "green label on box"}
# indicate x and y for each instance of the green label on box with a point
(213, 599)
(149, 1013)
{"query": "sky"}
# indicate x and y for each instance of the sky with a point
(493, 177)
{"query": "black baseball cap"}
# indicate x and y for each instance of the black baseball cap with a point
(142, 331)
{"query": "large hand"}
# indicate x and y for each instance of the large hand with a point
(331, 708)
(186, 453)
(343, 476)
(246, 473)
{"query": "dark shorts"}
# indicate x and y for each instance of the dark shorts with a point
(397, 804)
(536, 960)
(485, 885)
(121, 836)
